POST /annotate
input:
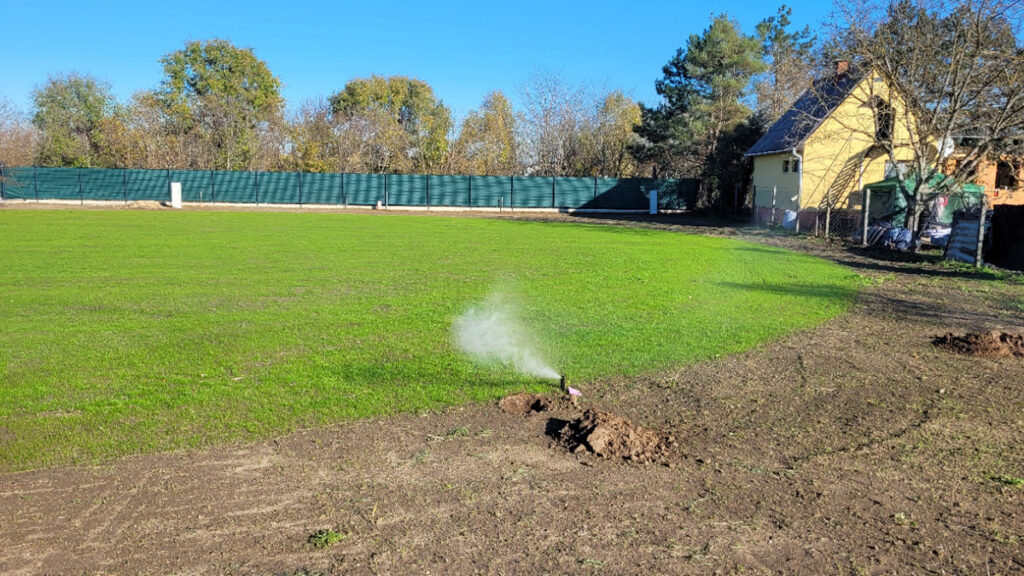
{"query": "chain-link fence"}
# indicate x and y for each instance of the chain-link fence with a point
(777, 206)
(297, 188)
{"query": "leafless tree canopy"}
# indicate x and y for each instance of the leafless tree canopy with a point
(18, 138)
(960, 69)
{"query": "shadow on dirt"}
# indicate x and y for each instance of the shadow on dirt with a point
(554, 427)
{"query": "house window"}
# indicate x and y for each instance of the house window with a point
(885, 120)
(1006, 176)
(796, 165)
(785, 165)
(897, 169)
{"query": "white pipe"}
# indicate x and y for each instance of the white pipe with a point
(799, 187)
(800, 180)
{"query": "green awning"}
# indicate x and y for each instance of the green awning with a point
(940, 183)
(887, 200)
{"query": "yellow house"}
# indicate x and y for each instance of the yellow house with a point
(819, 154)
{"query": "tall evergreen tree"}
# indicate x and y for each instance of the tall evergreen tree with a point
(789, 55)
(704, 90)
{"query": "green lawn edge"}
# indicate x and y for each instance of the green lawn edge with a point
(131, 332)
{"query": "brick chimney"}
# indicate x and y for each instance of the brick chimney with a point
(842, 67)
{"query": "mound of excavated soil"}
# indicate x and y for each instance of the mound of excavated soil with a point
(993, 344)
(145, 205)
(524, 404)
(609, 436)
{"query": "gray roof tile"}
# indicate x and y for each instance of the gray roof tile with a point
(806, 114)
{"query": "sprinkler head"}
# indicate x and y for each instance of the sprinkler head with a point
(561, 382)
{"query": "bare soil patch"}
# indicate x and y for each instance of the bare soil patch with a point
(857, 447)
(613, 437)
(145, 205)
(994, 344)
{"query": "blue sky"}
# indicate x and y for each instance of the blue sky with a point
(463, 49)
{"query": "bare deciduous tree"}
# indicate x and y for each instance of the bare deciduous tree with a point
(959, 68)
(555, 118)
(18, 138)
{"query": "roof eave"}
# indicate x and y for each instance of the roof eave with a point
(770, 152)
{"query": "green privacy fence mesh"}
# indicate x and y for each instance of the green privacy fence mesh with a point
(217, 186)
(489, 191)
(407, 190)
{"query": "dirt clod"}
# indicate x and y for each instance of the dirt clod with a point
(609, 436)
(145, 205)
(524, 404)
(993, 344)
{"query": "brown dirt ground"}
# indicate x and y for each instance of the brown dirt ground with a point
(856, 447)
(608, 436)
(994, 344)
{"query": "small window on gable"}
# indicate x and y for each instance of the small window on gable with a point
(1006, 176)
(796, 165)
(885, 120)
(785, 165)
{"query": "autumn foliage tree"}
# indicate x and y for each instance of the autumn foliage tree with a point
(487, 142)
(406, 127)
(224, 98)
(70, 111)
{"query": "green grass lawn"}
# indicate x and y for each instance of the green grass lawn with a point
(127, 332)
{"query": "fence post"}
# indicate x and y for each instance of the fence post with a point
(124, 183)
(256, 180)
(3, 191)
(828, 217)
(867, 215)
(81, 191)
(385, 190)
(511, 191)
(978, 263)
(300, 188)
(35, 182)
(213, 186)
(344, 195)
(553, 193)
(469, 203)
(775, 190)
(427, 178)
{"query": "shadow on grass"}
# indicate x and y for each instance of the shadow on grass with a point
(930, 264)
(685, 219)
(830, 291)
